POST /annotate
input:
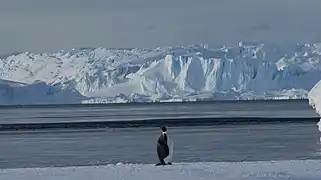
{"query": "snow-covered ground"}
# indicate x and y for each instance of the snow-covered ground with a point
(190, 72)
(280, 170)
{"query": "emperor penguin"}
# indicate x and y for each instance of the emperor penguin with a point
(165, 147)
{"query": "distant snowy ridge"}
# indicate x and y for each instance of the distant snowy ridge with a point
(184, 73)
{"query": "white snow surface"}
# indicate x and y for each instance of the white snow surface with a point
(315, 100)
(183, 73)
(279, 170)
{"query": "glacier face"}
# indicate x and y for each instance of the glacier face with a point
(191, 72)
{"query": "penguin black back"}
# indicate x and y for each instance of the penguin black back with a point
(162, 147)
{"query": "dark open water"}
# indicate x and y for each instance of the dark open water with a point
(94, 146)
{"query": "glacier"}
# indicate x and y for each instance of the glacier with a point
(183, 73)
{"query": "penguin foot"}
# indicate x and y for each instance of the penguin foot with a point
(158, 164)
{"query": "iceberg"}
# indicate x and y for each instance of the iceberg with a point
(314, 97)
(13, 93)
(182, 73)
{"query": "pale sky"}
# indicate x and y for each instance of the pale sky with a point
(50, 25)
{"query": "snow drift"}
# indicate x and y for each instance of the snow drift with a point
(309, 169)
(192, 72)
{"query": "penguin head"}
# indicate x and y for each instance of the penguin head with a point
(163, 128)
